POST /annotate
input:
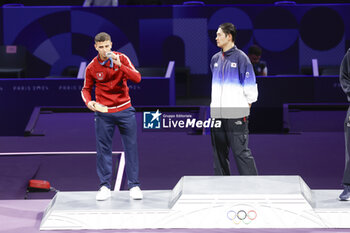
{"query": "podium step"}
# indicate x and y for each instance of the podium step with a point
(204, 202)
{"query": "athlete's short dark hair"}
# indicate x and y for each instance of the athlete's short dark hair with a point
(229, 28)
(102, 36)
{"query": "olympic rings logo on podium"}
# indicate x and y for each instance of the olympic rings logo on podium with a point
(242, 216)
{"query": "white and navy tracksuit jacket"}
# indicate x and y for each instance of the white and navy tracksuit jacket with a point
(233, 84)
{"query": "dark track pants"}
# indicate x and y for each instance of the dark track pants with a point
(104, 127)
(233, 134)
(346, 177)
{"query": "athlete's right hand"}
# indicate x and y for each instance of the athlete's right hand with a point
(91, 105)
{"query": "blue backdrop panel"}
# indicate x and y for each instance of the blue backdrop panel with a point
(20, 96)
(90, 24)
(194, 34)
(83, 45)
(322, 28)
(294, 33)
(17, 19)
(330, 57)
(153, 32)
(276, 31)
(36, 35)
(1, 28)
(282, 63)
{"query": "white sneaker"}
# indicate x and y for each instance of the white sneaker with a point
(136, 193)
(103, 194)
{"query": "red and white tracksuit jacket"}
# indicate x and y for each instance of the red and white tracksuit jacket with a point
(110, 83)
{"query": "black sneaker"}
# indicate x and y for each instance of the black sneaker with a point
(345, 195)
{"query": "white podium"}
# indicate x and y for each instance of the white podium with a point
(204, 202)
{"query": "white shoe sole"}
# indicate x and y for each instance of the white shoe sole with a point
(102, 199)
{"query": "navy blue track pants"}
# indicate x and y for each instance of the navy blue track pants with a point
(104, 127)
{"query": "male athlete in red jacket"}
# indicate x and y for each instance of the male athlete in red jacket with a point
(109, 72)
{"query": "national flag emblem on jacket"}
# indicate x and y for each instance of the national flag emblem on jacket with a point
(99, 75)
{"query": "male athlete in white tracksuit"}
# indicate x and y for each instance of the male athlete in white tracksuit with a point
(234, 89)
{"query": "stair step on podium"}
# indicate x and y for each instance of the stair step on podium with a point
(204, 202)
